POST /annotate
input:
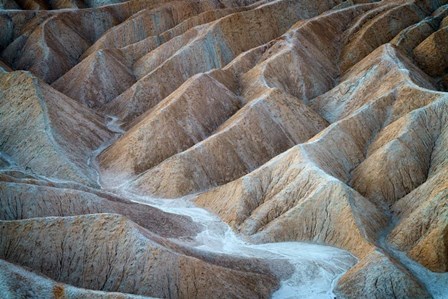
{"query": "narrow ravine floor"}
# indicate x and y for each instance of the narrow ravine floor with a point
(317, 267)
(434, 282)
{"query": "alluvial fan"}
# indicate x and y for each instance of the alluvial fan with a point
(224, 149)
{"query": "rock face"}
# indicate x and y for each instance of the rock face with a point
(372, 278)
(38, 124)
(19, 282)
(27, 199)
(124, 124)
(74, 251)
(105, 68)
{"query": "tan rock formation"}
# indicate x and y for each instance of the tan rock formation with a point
(216, 44)
(269, 118)
(152, 22)
(74, 250)
(38, 124)
(431, 55)
(19, 282)
(291, 120)
(51, 43)
(187, 116)
(107, 69)
(26, 200)
(377, 276)
(425, 208)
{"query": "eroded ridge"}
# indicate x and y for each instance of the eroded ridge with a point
(197, 149)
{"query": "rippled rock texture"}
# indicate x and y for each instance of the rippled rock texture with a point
(291, 120)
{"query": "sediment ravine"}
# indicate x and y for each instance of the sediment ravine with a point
(224, 149)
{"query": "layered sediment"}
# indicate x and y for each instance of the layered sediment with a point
(323, 122)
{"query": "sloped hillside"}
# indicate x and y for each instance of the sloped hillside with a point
(224, 149)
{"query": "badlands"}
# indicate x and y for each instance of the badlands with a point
(224, 149)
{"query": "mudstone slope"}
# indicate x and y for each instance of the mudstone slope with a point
(224, 149)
